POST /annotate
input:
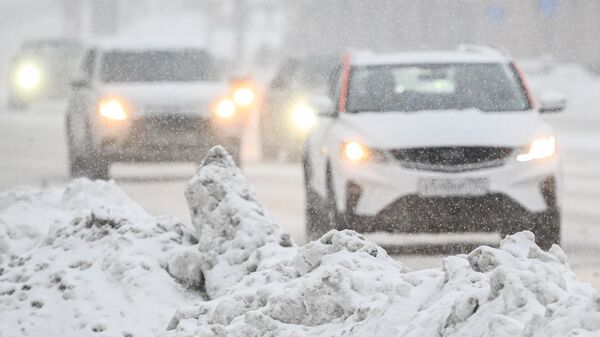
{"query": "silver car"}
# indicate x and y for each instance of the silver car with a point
(147, 103)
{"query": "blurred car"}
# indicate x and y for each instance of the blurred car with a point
(148, 103)
(43, 69)
(447, 141)
(287, 116)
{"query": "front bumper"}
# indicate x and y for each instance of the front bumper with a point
(163, 138)
(386, 196)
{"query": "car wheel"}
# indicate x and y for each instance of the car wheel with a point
(333, 215)
(86, 162)
(547, 228)
(313, 210)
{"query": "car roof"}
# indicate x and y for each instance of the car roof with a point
(146, 44)
(463, 55)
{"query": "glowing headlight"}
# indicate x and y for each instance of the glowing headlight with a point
(244, 97)
(28, 76)
(225, 108)
(304, 117)
(114, 109)
(539, 149)
(355, 152)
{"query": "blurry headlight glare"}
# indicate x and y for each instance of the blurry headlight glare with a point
(113, 109)
(225, 109)
(28, 76)
(539, 149)
(304, 117)
(355, 151)
(244, 97)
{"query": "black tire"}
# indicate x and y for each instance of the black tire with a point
(335, 219)
(87, 164)
(94, 168)
(547, 228)
(313, 210)
(548, 223)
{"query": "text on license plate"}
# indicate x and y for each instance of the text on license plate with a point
(444, 187)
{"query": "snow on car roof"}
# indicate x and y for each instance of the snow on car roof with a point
(420, 57)
(154, 43)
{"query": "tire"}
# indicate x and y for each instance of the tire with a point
(548, 223)
(335, 219)
(313, 210)
(86, 163)
(547, 228)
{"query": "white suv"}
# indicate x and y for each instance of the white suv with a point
(445, 141)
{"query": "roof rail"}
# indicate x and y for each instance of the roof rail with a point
(482, 49)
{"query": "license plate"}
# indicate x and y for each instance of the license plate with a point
(446, 187)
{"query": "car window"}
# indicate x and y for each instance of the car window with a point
(487, 87)
(158, 65)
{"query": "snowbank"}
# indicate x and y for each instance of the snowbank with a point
(344, 285)
(101, 268)
(109, 269)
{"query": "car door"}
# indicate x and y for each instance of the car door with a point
(317, 144)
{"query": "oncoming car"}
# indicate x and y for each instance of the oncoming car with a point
(147, 103)
(286, 116)
(43, 69)
(447, 141)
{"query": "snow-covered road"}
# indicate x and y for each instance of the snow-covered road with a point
(33, 152)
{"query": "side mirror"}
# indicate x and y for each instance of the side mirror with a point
(552, 102)
(80, 83)
(323, 105)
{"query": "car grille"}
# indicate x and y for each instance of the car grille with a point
(452, 159)
(173, 123)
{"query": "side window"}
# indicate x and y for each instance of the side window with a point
(88, 66)
(335, 84)
(284, 76)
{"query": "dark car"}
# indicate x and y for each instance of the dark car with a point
(43, 69)
(287, 116)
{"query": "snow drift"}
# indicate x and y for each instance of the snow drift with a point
(106, 268)
(100, 268)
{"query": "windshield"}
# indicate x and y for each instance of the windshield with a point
(158, 66)
(408, 88)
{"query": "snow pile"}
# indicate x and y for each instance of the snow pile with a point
(235, 235)
(343, 285)
(109, 269)
(101, 270)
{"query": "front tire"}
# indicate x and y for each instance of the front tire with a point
(547, 228)
(315, 218)
(85, 162)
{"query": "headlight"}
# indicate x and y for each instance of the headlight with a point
(114, 109)
(540, 148)
(28, 76)
(244, 97)
(225, 108)
(304, 117)
(355, 152)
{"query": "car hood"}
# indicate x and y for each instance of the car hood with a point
(168, 97)
(391, 130)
